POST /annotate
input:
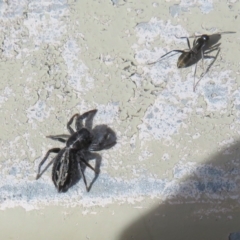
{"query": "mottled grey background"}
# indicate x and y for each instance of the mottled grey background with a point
(175, 146)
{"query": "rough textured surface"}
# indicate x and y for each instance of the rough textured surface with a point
(234, 236)
(175, 146)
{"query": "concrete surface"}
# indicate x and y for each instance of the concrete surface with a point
(174, 172)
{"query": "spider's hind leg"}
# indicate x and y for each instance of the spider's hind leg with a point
(81, 159)
(210, 65)
(194, 85)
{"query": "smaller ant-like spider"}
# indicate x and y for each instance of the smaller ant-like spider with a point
(79, 144)
(202, 44)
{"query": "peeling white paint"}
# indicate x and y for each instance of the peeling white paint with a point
(45, 25)
(77, 70)
(6, 93)
(163, 143)
(38, 112)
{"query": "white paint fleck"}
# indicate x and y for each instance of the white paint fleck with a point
(144, 155)
(196, 135)
(227, 142)
(148, 31)
(107, 59)
(77, 70)
(161, 121)
(217, 89)
(165, 157)
(43, 21)
(12, 9)
(206, 6)
(5, 94)
(107, 114)
(236, 102)
(38, 112)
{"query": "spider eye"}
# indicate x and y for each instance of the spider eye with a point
(205, 37)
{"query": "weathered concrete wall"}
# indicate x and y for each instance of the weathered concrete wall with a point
(174, 146)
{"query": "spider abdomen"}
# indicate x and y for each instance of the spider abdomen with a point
(185, 59)
(65, 170)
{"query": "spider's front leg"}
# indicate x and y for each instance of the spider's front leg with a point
(177, 51)
(53, 150)
(88, 117)
(82, 159)
(70, 122)
(188, 42)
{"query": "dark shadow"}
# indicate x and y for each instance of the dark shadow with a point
(104, 138)
(215, 185)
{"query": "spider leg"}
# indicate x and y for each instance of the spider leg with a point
(93, 181)
(194, 85)
(211, 49)
(202, 56)
(81, 159)
(59, 138)
(210, 65)
(194, 41)
(195, 36)
(178, 51)
(70, 122)
(188, 43)
(209, 57)
(87, 164)
(88, 116)
(83, 175)
(225, 32)
(54, 150)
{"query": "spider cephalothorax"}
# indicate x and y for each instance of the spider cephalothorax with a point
(79, 144)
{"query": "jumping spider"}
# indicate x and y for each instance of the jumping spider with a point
(79, 144)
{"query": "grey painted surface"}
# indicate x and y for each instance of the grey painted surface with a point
(175, 146)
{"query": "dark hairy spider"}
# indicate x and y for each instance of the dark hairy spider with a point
(79, 145)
